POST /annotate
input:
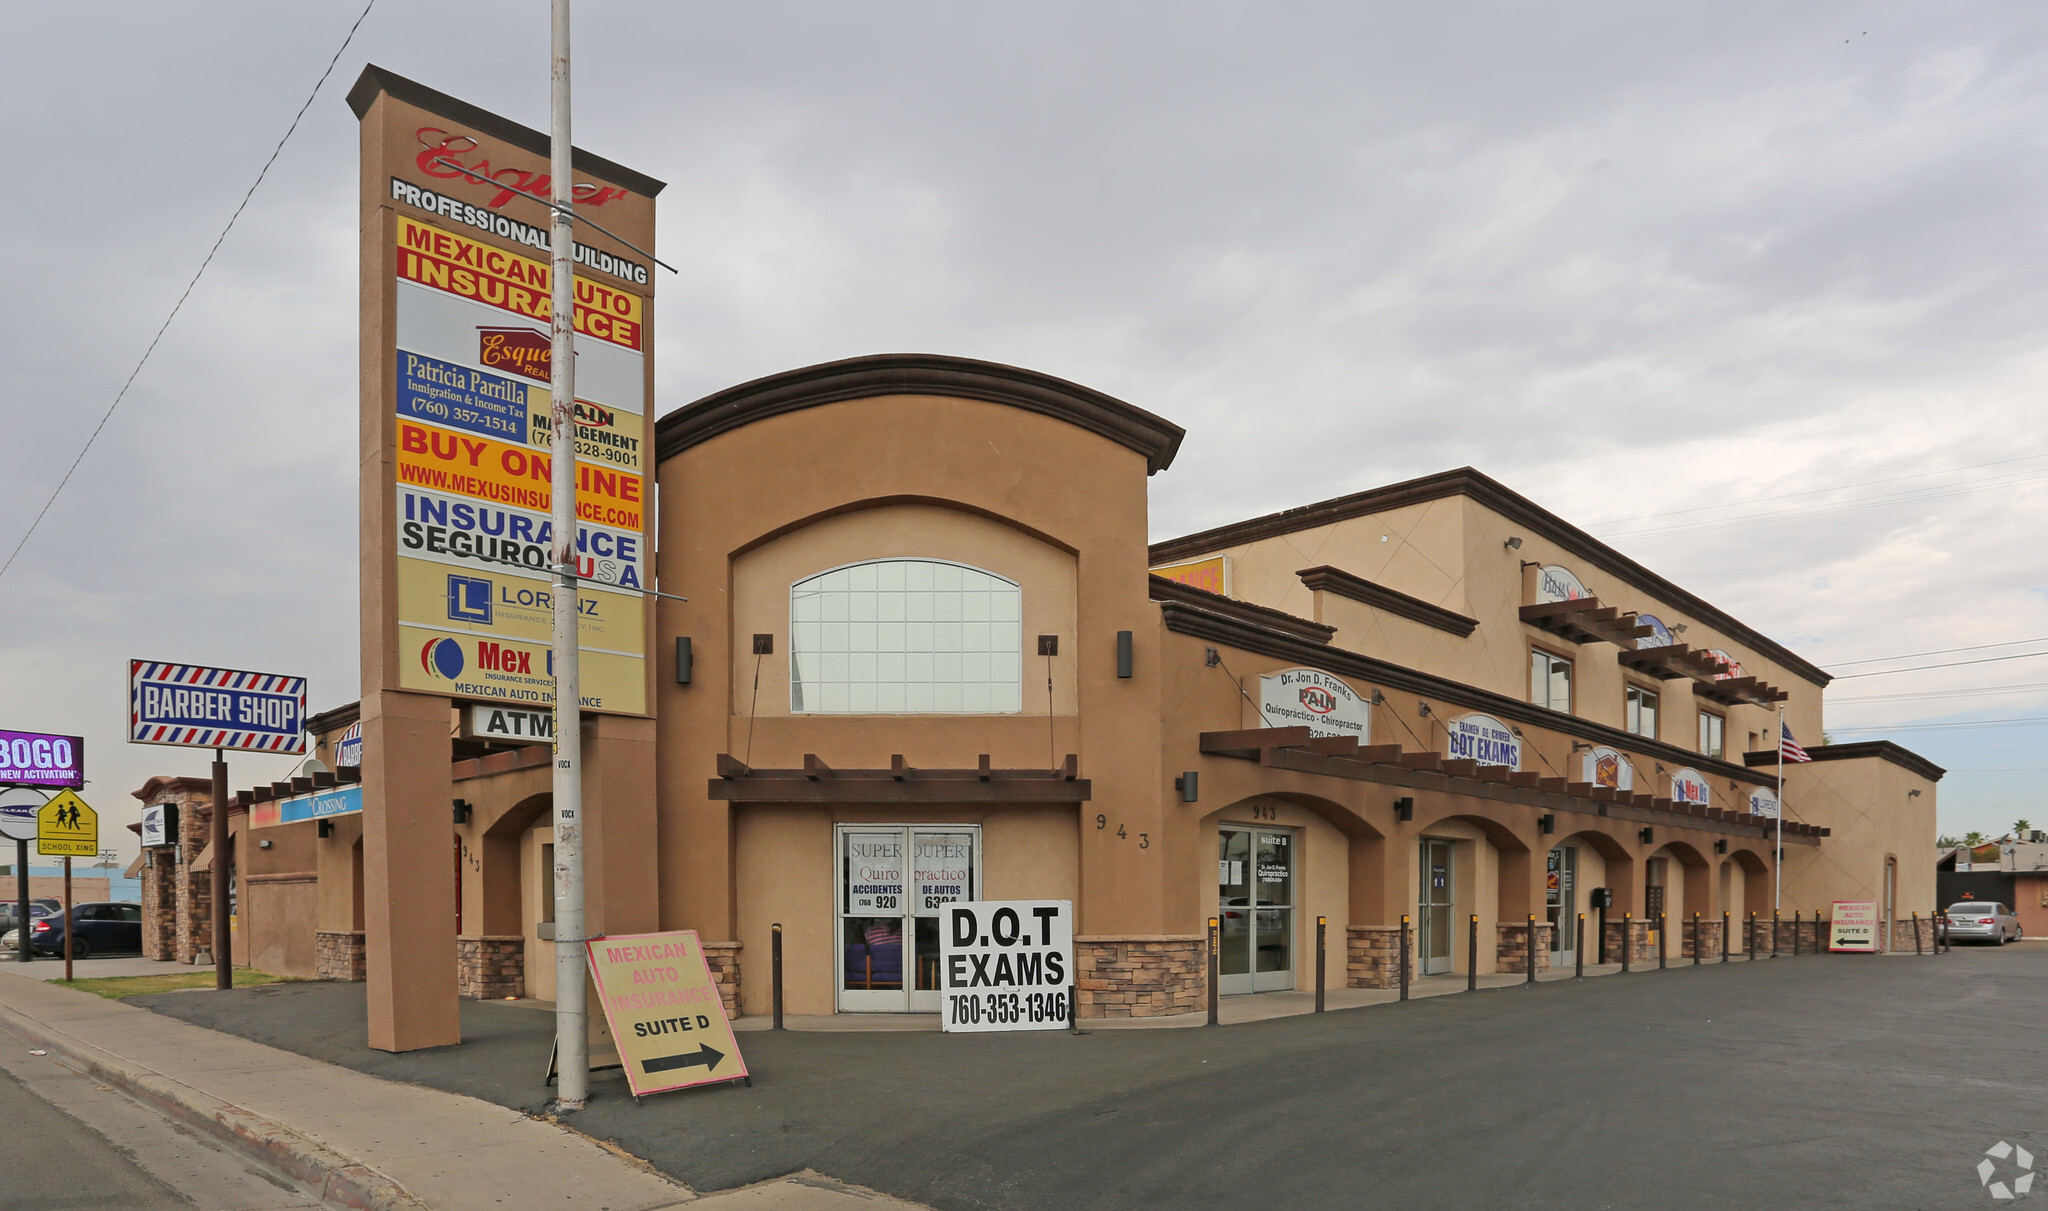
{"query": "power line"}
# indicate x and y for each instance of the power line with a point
(1975, 647)
(1950, 664)
(1759, 500)
(1821, 510)
(1978, 691)
(1961, 724)
(179, 305)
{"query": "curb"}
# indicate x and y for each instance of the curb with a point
(340, 1181)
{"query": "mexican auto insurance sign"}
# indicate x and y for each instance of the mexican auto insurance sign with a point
(194, 706)
(1006, 965)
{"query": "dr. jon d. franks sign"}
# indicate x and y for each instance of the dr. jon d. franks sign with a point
(1006, 965)
(1315, 699)
(457, 440)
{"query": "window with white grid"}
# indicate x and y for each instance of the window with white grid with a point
(906, 636)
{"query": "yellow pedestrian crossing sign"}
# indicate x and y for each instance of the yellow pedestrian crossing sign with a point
(67, 827)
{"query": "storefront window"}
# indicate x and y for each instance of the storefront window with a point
(906, 636)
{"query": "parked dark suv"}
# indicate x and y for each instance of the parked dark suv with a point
(102, 929)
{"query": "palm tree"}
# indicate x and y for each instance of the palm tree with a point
(1946, 842)
(2022, 826)
(1973, 838)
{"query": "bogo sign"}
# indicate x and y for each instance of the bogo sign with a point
(42, 759)
(1006, 965)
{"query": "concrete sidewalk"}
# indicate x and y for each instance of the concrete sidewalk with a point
(356, 1140)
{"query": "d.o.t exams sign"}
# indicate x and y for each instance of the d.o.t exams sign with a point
(1006, 964)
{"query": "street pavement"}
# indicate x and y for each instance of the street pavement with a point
(72, 1142)
(1822, 1081)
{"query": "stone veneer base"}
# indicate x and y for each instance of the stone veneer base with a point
(338, 954)
(490, 967)
(1140, 975)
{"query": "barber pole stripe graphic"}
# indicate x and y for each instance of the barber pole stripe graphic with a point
(289, 737)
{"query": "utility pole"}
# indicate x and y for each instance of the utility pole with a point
(572, 1039)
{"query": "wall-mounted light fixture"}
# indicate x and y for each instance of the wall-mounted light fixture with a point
(1546, 823)
(686, 661)
(1912, 794)
(1721, 846)
(462, 811)
(1404, 809)
(1189, 785)
(1678, 629)
(1513, 544)
(263, 844)
(326, 828)
(1647, 836)
(1124, 655)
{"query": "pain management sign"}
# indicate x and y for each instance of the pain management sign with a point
(194, 706)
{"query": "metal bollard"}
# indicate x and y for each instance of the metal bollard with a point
(1774, 933)
(1529, 950)
(1603, 935)
(1212, 970)
(1749, 939)
(1322, 935)
(1472, 955)
(1404, 956)
(775, 969)
(1916, 934)
(1797, 929)
(1627, 920)
(1695, 939)
(1724, 935)
(1579, 951)
(1663, 942)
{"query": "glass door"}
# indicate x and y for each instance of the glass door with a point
(892, 881)
(1561, 904)
(1254, 909)
(1435, 916)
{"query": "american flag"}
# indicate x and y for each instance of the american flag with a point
(1788, 748)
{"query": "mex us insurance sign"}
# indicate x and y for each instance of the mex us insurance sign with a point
(1006, 964)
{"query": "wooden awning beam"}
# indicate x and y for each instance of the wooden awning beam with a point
(898, 782)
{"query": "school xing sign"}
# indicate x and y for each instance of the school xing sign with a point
(67, 827)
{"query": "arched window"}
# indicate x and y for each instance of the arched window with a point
(906, 636)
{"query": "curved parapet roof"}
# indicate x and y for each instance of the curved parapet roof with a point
(919, 374)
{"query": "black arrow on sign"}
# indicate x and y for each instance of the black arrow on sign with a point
(705, 1055)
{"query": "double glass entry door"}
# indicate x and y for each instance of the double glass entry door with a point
(892, 881)
(1254, 909)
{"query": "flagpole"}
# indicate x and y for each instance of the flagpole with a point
(1778, 892)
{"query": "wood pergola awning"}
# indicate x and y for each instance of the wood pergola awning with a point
(1679, 660)
(1586, 621)
(1292, 748)
(344, 776)
(817, 782)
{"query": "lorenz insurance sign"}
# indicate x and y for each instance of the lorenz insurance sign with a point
(457, 461)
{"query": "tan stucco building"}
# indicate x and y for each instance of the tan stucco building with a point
(924, 654)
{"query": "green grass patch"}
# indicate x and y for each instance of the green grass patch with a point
(116, 987)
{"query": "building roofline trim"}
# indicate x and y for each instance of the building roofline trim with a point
(934, 374)
(1201, 620)
(1492, 494)
(1326, 579)
(1887, 750)
(376, 81)
(1248, 613)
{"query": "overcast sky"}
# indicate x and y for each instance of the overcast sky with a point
(1659, 271)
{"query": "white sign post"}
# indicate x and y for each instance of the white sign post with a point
(1006, 965)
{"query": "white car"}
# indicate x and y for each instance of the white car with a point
(1983, 921)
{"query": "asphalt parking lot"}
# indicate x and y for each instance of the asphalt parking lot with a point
(1824, 1081)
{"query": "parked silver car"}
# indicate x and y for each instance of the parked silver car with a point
(1983, 921)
